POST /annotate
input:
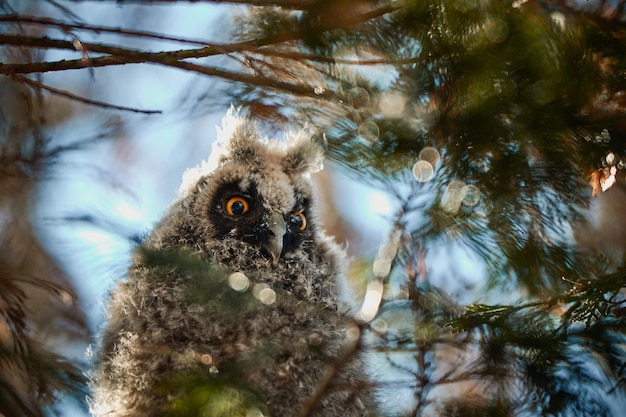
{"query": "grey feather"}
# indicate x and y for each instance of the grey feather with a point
(183, 337)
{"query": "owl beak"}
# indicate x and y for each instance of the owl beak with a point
(274, 245)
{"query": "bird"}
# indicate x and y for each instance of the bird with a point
(231, 306)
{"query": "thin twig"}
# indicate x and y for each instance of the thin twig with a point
(66, 10)
(46, 42)
(287, 4)
(40, 86)
(330, 374)
(297, 56)
(97, 29)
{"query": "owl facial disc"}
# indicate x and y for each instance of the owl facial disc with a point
(274, 244)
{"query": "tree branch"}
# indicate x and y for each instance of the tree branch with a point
(65, 26)
(330, 375)
(40, 86)
(137, 56)
(287, 4)
(46, 43)
(297, 56)
(255, 80)
(121, 56)
(115, 55)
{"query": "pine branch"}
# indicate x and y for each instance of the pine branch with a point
(588, 301)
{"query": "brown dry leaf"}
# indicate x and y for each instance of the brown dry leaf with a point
(595, 183)
(602, 180)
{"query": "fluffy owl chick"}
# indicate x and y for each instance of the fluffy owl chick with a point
(230, 306)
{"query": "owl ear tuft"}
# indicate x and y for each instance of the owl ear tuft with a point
(236, 139)
(304, 155)
(239, 138)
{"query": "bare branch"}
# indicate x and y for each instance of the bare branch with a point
(256, 80)
(136, 56)
(330, 375)
(121, 56)
(12, 69)
(45, 42)
(40, 86)
(65, 10)
(65, 26)
(116, 55)
(287, 4)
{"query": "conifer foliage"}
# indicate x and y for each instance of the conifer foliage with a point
(496, 126)
(494, 123)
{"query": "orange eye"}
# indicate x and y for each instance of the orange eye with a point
(236, 206)
(298, 220)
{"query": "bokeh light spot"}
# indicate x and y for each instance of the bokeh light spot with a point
(484, 208)
(264, 294)
(379, 326)
(381, 267)
(238, 281)
(471, 195)
(352, 333)
(371, 302)
(369, 131)
(610, 158)
(423, 171)
(386, 255)
(453, 196)
(258, 288)
(392, 104)
(429, 154)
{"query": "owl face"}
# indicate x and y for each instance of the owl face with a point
(272, 212)
(256, 193)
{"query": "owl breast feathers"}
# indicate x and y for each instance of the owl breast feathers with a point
(230, 305)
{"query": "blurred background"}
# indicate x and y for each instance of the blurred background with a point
(474, 169)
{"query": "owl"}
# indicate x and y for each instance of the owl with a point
(230, 307)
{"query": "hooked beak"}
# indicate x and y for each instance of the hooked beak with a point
(274, 245)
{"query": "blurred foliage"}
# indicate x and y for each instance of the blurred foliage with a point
(512, 96)
(224, 392)
(492, 123)
(40, 320)
(523, 104)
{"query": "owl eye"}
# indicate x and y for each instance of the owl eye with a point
(298, 220)
(236, 206)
